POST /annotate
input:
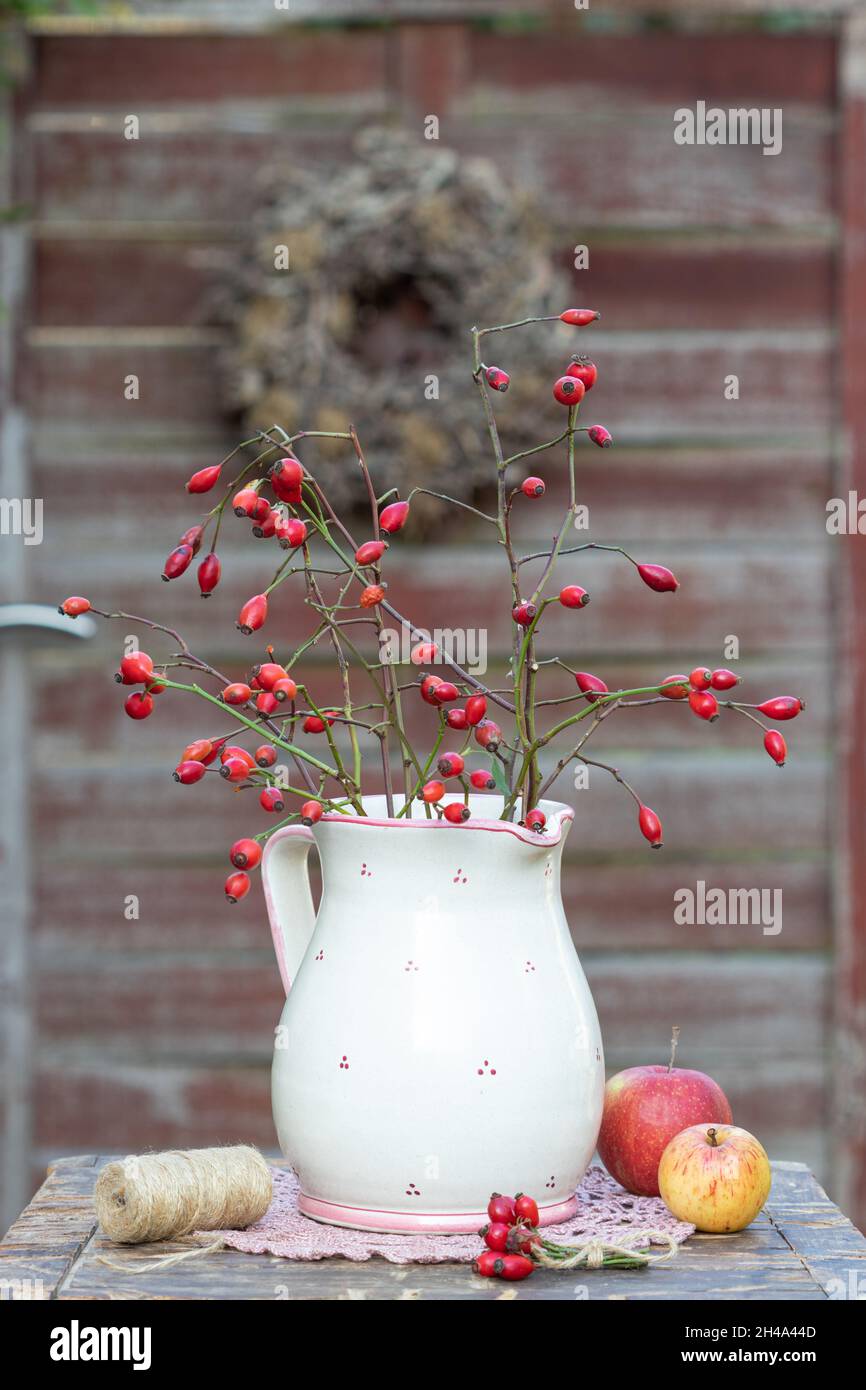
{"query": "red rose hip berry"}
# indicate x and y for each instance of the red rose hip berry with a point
(700, 678)
(245, 854)
(253, 614)
(782, 707)
(188, 772)
(704, 705)
(501, 1208)
(450, 765)
(497, 378)
(675, 687)
(271, 799)
(139, 705)
(476, 708)
(526, 1208)
(568, 390)
(208, 574)
(236, 694)
(523, 613)
(488, 735)
(579, 318)
(482, 781)
(776, 746)
(572, 596)
(650, 826)
(74, 607)
(658, 578)
(585, 371)
(135, 667)
(204, 479)
(237, 887)
(393, 517)
(496, 1236)
(370, 552)
(533, 487)
(456, 812)
(485, 1264)
(600, 436)
(514, 1267)
(724, 680)
(590, 685)
(177, 562)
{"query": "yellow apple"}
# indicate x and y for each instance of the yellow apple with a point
(715, 1176)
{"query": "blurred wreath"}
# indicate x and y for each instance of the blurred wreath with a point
(392, 258)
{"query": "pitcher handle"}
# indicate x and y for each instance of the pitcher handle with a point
(286, 881)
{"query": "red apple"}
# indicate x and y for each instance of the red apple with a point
(717, 1176)
(644, 1108)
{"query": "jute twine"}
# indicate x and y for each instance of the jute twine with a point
(165, 1196)
(596, 1254)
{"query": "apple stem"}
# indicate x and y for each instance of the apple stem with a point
(712, 1139)
(675, 1037)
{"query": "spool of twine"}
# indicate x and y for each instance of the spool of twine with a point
(165, 1196)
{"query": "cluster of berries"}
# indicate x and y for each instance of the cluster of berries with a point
(510, 1238)
(287, 504)
(698, 689)
(271, 518)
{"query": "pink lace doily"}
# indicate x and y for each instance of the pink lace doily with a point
(606, 1212)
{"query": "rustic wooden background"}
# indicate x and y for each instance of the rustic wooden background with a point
(122, 1035)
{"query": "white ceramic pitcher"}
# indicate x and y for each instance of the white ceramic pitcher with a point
(439, 1040)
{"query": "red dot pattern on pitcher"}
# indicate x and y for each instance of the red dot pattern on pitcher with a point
(365, 872)
(548, 869)
(552, 1181)
(486, 1068)
(458, 879)
(344, 1064)
(320, 956)
(410, 965)
(412, 1190)
(528, 968)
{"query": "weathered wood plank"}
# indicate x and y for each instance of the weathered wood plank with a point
(130, 69)
(670, 385)
(130, 1107)
(626, 172)
(42, 1245)
(723, 69)
(141, 280)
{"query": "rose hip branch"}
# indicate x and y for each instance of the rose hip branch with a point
(274, 709)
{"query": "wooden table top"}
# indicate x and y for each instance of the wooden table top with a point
(801, 1247)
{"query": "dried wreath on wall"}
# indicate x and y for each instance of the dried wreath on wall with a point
(390, 257)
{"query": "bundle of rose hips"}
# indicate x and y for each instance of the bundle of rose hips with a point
(515, 1246)
(306, 753)
(510, 1237)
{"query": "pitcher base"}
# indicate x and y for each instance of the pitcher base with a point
(418, 1222)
